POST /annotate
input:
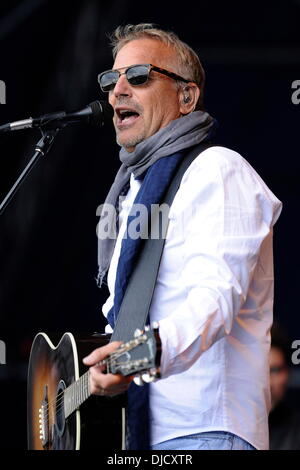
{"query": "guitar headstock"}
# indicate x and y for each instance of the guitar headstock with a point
(140, 356)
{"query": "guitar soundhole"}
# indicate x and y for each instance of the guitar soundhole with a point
(60, 414)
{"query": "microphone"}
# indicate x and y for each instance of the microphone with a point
(96, 113)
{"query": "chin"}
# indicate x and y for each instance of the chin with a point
(130, 143)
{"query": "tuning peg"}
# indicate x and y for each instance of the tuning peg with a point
(155, 373)
(138, 380)
(137, 333)
(147, 378)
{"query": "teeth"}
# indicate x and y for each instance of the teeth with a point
(126, 112)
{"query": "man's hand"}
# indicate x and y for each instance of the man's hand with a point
(101, 383)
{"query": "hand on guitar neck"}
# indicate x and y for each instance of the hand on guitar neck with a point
(101, 382)
(59, 387)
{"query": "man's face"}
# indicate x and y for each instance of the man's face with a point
(278, 375)
(156, 102)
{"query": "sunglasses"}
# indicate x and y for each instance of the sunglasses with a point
(135, 74)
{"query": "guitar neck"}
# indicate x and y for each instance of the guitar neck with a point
(76, 394)
(79, 391)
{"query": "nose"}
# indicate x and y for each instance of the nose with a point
(122, 87)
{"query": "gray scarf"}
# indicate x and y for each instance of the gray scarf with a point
(178, 135)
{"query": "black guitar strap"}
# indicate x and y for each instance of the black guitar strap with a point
(138, 296)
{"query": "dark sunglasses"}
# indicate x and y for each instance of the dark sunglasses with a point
(135, 75)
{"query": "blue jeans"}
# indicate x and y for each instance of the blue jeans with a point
(215, 440)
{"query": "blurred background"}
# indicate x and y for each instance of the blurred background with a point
(51, 53)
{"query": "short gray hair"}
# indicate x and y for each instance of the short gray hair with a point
(189, 64)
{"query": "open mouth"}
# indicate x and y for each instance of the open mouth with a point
(126, 117)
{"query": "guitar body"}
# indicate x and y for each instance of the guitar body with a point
(51, 370)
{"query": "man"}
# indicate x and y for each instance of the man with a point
(284, 418)
(214, 291)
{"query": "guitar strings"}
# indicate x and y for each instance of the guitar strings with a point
(50, 403)
(59, 398)
(107, 361)
(60, 402)
(49, 408)
(61, 394)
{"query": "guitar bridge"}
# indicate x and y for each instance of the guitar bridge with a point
(44, 419)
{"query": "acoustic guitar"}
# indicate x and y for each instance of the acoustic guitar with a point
(61, 413)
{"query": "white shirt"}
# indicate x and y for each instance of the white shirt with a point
(213, 301)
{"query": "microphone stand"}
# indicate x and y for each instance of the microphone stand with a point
(41, 149)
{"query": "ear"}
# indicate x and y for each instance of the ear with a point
(188, 97)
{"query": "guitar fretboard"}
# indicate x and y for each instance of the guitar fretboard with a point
(76, 394)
